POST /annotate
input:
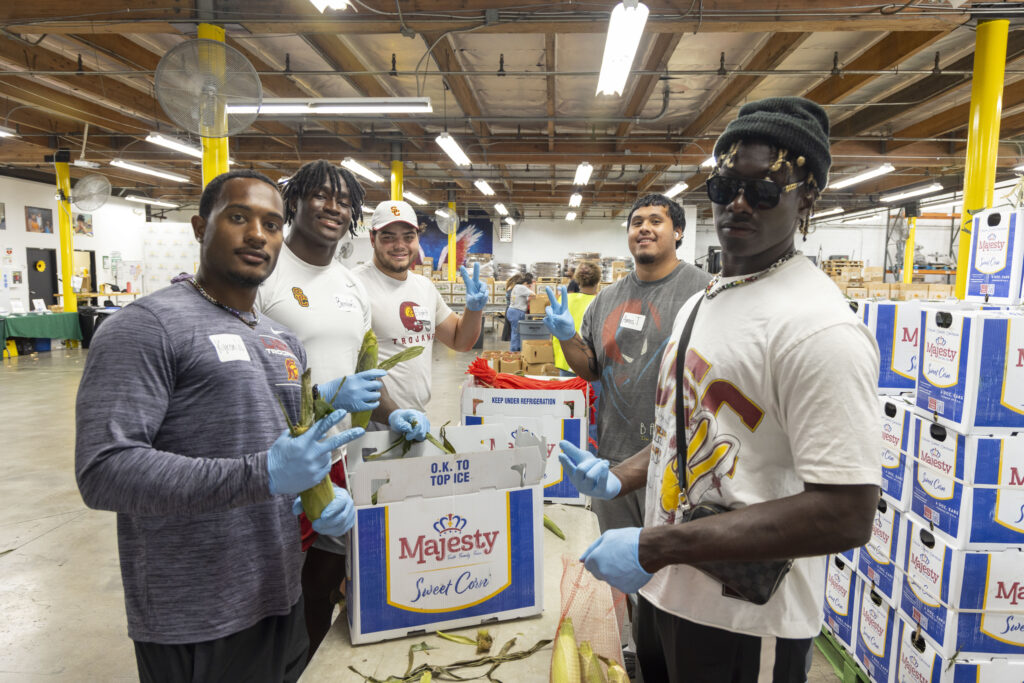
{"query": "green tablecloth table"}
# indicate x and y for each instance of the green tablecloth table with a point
(52, 326)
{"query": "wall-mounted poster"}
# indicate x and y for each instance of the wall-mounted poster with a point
(83, 224)
(38, 219)
(472, 237)
(3, 217)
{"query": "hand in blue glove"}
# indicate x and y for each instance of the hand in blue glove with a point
(589, 474)
(558, 320)
(296, 463)
(359, 392)
(615, 559)
(401, 421)
(477, 292)
(337, 518)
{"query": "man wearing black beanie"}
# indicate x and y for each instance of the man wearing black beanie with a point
(774, 381)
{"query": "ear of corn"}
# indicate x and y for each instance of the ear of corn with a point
(367, 361)
(565, 661)
(550, 525)
(616, 674)
(591, 670)
(402, 356)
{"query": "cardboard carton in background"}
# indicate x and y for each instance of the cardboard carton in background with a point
(538, 351)
(996, 263)
(877, 628)
(538, 304)
(841, 601)
(917, 660)
(857, 292)
(510, 362)
(878, 290)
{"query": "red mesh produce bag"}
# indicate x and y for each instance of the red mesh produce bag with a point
(597, 610)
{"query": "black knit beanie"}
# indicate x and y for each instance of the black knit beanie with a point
(791, 123)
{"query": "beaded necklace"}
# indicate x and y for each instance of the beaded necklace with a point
(206, 295)
(748, 279)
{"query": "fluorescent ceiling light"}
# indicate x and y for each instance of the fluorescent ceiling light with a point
(138, 168)
(571, 216)
(451, 147)
(324, 5)
(153, 202)
(678, 188)
(83, 163)
(916, 192)
(709, 162)
(510, 220)
(413, 197)
(625, 27)
(623, 223)
(442, 213)
(1006, 183)
(831, 212)
(1018, 169)
(484, 187)
(357, 168)
(583, 172)
(333, 106)
(576, 199)
(369, 209)
(861, 177)
(177, 145)
(6, 132)
(283, 179)
(500, 208)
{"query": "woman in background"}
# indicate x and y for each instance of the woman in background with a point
(519, 303)
(506, 331)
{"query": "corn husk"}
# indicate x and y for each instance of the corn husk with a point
(550, 525)
(367, 361)
(591, 670)
(565, 661)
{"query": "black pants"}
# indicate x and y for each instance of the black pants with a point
(322, 574)
(271, 651)
(674, 650)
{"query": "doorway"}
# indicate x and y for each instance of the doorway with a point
(42, 275)
(84, 266)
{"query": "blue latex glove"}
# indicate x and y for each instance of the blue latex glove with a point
(337, 518)
(401, 421)
(297, 463)
(590, 475)
(558, 320)
(358, 393)
(614, 558)
(477, 292)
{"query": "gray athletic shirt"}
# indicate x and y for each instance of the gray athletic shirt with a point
(627, 326)
(175, 413)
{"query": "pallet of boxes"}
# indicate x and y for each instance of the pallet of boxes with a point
(940, 586)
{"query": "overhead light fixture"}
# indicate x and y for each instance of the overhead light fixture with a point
(484, 187)
(153, 202)
(709, 162)
(324, 5)
(625, 27)
(283, 179)
(624, 223)
(357, 168)
(333, 106)
(831, 212)
(576, 199)
(907, 194)
(442, 213)
(1019, 169)
(369, 209)
(177, 145)
(583, 172)
(138, 168)
(83, 163)
(413, 197)
(678, 188)
(861, 177)
(452, 149)
(6, 132)
(571, 216)
(500, 208)
(510, 220)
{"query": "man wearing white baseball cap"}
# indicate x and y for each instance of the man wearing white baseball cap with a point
(407, 310)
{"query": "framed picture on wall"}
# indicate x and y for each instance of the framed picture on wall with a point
(3, 217)
(38, 219)
(83, 224)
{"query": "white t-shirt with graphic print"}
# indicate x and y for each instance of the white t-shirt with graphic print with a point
(405, 313)
(787, 378)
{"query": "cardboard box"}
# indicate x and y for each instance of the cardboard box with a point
(850, 272)
(917, 660)
(538, 351)
(969, 489)
(940, 291)
(914, 291)
(896, 327)
(458, 287)
(458, 299)
(443, 540)
(443, 286)
(536, 369)
(877, 628)
(897, 419)
(841, 592)
(968, 603)
(996, 262)
(550, 370)
(511, 363)
(878, 290)
(879, 559)
(538, 304)
(874, 273)
(857, 292)
(955, 386)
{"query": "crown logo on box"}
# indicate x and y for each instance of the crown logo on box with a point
(450, 523)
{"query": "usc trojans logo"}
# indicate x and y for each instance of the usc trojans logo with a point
(300, 296)
(395, 211)
(293, 369)
(407, 314)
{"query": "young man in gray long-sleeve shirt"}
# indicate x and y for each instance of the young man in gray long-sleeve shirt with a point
(179, 431)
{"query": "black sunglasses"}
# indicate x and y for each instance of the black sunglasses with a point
(760, 194)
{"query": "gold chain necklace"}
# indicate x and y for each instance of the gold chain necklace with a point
(233, 311)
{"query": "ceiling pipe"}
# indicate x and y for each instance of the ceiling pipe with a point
(896, 71)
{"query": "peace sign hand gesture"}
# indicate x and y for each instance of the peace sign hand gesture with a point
(558, 319)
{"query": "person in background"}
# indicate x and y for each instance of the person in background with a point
(506, 331)
(586, 277)
(520, 297)
(327, 308)
(574, 285)
(179, 431)
(779, 419)
(407, 308)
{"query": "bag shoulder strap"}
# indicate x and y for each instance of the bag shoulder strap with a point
(681, 441)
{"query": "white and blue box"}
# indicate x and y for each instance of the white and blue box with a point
(552, 414)
(996, 262)
(919, 662)
(880, 559)
(955, 386)
(897, 417)
(896, 326)
(968, 604)
(969, 489)
(877, 628)
(443, 540)
(841, 604)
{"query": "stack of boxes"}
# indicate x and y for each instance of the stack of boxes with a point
(940, 586)
(859, 282)
(454, 293)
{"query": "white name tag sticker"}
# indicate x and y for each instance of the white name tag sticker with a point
(633, 321)
(229, 347)
(345, 302)
(421, 313)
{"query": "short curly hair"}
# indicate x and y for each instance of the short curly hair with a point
(588, 274)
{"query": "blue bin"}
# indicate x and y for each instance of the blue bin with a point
(40, 344)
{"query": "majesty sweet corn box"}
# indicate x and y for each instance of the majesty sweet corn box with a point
(996, 262)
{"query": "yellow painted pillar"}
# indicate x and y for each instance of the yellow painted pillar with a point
(908, 252)
(215, 149)
(982, 133)
(451, 241)
(67, 248)
(397, 180)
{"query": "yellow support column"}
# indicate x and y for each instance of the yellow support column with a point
(908, 252)
(451, 240)
(67, 249)
(215, 149)
(397, 180)
(982, 133)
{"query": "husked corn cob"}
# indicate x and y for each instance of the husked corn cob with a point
(591, 670)
(565, 662)
(314, 499)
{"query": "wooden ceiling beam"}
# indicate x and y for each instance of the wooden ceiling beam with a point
(662, 49)
(549, 65)
(31, 92)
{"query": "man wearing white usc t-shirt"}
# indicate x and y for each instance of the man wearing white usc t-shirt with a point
(328, 310)
(408, 309)
(781, 424)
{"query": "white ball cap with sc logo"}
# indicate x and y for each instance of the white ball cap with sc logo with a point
(390, 212)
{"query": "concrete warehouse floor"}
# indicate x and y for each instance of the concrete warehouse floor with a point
(61, 595)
